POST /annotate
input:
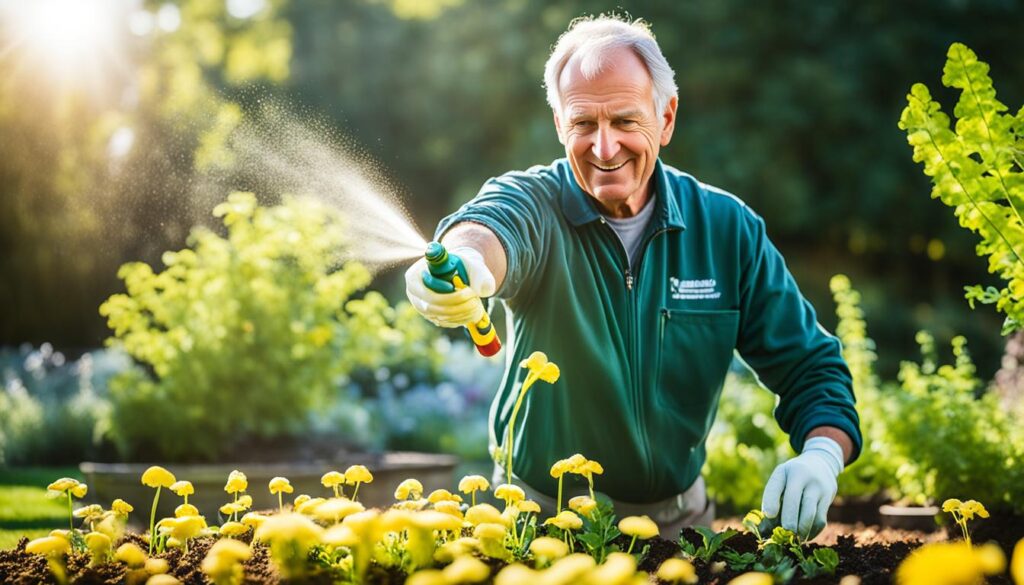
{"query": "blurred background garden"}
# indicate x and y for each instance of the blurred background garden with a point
(230, 330)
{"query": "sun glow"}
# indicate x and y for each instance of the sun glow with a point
(70, 38)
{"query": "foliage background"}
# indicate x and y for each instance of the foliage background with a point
(790, 105)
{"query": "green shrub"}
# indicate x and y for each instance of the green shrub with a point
(241, 336)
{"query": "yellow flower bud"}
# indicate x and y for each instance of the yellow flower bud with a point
(617, 568)
(280, 485)
(466, 569)
(237, 482)
(332, 479)
(641, 527)
(156, 566)
(358, 474)
(450, 508)
(489, 531)
(509, 493)
(583, 505)
(131, 555)
(473, 483)
(567, 520)
(233, 529)
(677, 571)
(548, 548)
(753, 579)
(183, 488)
(49, 546)
(529, 506)
(442, 495)
(63, 484)
(80, 490)
(157, 476)
(121, 507)
(482, 514)
(409, 488)
(186, 510)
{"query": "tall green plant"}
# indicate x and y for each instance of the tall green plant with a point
(978, 169)
(241, 335)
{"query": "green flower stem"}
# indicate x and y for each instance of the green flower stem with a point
(530, 379)
(472, 496)
(356, 491)
(152, 520)
(590, 482)
(559, 508)
(280, 502)
(71, 513)
(631, 543)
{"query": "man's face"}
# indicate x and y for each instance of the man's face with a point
(611, 132)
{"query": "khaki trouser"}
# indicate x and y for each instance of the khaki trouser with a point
(690, 508)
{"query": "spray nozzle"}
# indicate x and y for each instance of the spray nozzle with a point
(445, 273)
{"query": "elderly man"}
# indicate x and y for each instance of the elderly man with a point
(640, 282)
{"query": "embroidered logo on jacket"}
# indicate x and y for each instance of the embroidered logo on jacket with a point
(693, 289)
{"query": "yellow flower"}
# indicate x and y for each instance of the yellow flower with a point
(1017, 565)
(641, 527)
(309, 506)
(80, 490)
(752, 579)
(121, 507)
(970, 508)
(341, 535)
(677, 571)
(509, 493)
(222, 562)
(299, 500)
(157, 568)
(489, 531)
(589, 468)
(410, 488)
(529, 506)
(442, 495)
(50, 546)
(484, 514)
(281, 485)
(186, 510)
(952, 505)
(290, 528)
(253, 519)
(90, 512)
(162, 579)
(516, 574)
(237, 482)
(450, 508)
(358, 474)
(570, 569)
(539, 366)
(131, 555)
(566, 520)
(63, 484)
(582, 505)
(335, 509)
(549, 548)
(157, 476)
(230, 509)
(233, 529)
(98, 544)
(182, 488)
(617, 568)
(245, 501)
(560, 468)
(427, 577)
(466, 569)
(471, 484)
(332, 479)
(434, 520)
(754, 517)
(950, 563)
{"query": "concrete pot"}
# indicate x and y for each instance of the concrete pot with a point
(921, 518)
(123, 480)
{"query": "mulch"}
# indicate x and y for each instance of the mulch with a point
(869, 552)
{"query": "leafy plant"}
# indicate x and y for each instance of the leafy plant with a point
(712, 542)
(242, 336)
(599, 531)
(977, 168)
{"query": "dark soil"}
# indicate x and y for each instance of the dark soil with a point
(869, 552)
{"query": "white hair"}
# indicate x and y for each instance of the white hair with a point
(589, 40)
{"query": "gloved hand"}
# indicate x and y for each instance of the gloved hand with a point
(803, 488)
(458, 308)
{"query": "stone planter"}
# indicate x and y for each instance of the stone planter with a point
(123, 480)
(920, 518)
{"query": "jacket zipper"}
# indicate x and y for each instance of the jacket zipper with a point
(634, 344)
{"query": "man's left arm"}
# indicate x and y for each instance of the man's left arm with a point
(797, 359)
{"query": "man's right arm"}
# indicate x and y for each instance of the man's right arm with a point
(486, 266)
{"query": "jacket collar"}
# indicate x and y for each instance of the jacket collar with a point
(579, 208)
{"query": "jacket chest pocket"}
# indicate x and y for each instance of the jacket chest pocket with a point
(696, 348)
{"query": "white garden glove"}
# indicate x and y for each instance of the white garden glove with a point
(458, 308)
(803, 488)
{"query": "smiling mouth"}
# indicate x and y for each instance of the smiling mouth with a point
(608, 169)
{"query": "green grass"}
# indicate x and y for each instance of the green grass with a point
(25, 509)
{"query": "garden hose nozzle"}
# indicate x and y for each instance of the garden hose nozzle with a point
(445, 274)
